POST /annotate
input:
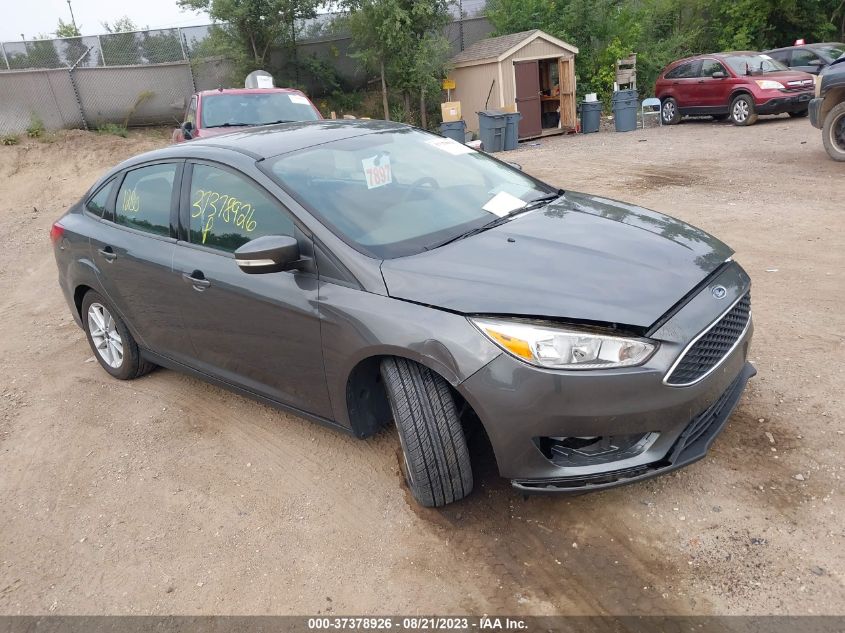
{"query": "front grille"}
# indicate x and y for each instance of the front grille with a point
(709, 350)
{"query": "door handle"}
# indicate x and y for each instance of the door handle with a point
(197, 280)
(107, 253)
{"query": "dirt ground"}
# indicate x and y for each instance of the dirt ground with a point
(166, 495)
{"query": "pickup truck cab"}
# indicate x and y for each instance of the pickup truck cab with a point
(213, 112)
(827, 110)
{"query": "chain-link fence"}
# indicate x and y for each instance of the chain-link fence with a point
(146, 77)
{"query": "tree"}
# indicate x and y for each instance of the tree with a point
(120, 46)
(402, 41)
(67, 29)
(256, 25)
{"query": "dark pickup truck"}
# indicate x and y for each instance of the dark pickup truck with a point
(827, 110)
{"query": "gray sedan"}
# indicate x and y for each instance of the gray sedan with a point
(365, 274)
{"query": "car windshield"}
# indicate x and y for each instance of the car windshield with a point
(753, 64)
(223, 110)
(831, 51)
(401, 192)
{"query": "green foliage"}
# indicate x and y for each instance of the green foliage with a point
(402, 41)
(660, 31)
(67, 29)
(113, 128)
(35, 129)
(254, 26)
(120, 47)
(10, 139)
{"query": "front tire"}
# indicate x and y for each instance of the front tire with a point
(110, 339)
(669, 112)
(743, 111)
(436, 456)
(833, 133)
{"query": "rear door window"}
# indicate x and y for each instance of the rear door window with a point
(227, 211)
(684, 71)
(145, 199)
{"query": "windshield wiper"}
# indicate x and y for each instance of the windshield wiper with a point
(279, 121)
(533, 204)
(231, 125)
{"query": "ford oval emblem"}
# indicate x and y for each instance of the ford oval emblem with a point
(720, 292)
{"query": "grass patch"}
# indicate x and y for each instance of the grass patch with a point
(113, 128)
(36, 127)
(10, 139)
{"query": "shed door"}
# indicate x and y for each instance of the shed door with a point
(528, 97)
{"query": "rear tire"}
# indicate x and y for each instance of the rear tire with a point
(110, 340)
(436, 456)
(743, 111)
(669, 112)
(833, 133)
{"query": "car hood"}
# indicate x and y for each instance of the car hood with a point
(580, 258)
(784, 75)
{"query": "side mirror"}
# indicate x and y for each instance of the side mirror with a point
(269, 254)
(719, 75)
(187, 129)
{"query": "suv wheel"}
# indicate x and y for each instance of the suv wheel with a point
(743, 111)
(110, 339)
(833, 133)
(436, 457)
(669, 111)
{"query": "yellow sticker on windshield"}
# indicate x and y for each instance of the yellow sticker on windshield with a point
(377, 170)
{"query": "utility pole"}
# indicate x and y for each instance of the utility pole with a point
(72, 19)
(460, 23)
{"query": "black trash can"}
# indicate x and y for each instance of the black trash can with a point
(590, 116)
(512, 130)
(491, 129)
(625, 110)
(455, 130)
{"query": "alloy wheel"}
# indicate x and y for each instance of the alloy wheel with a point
(741, 111)
(103, 330)
(668, 111)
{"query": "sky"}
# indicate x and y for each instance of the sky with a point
(33, 17)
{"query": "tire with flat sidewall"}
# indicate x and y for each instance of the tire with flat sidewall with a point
(833, 117)
(433, 442)
(133, 366)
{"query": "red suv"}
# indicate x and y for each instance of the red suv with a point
(738, 85)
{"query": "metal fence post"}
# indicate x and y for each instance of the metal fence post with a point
(5, 59)
(183, 40)
(76, 89)
(102, 54)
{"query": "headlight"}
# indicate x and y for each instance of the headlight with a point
(564, 348)
(769, 84)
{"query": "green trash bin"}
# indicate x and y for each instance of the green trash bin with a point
(625, 110)
(491, 130)
(455, 130)
(512, 130)
(590, 116)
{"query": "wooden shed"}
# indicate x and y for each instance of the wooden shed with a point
(531, 71)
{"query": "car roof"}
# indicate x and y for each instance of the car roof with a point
(246, 91)
(268, 141)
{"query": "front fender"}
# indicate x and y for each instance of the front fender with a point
(357, 325)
